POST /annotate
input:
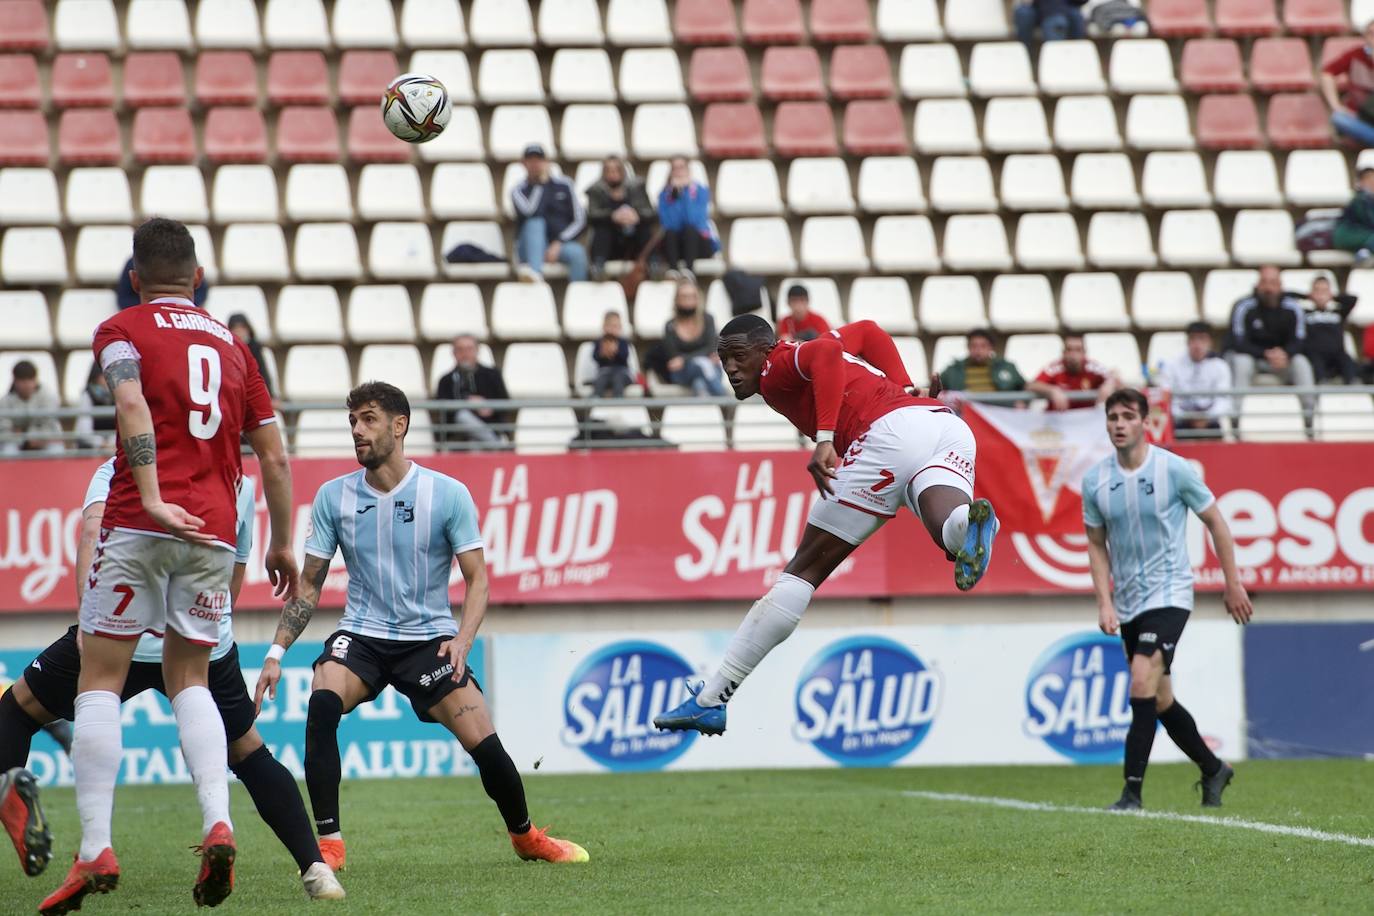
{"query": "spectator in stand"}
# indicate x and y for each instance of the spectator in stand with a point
(1073, 371)
(620, 214)
(125, 296)
(95, 432)
(612, 355)
(1056, 20)
(548, 219)
(1268, 335)
(26, 397)
(1352, 112)
(473, 382)
(243, 330)
(982, 370)
(1355, 229)
(1198, 370)
(1326, 333)
(802, 323)
(684, 213)
(689, 344)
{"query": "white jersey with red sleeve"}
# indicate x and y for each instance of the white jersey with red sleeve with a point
(203, 390)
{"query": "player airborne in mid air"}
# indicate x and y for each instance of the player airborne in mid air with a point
(849, 391)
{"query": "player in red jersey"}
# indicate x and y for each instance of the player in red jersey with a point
(849, 391)
(185, 389)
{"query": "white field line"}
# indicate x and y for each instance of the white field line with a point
(1016, 804)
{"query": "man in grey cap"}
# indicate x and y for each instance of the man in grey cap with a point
(548, 219)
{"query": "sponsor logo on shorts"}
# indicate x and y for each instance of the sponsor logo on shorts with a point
(959, 463)
(866, 701)
(1078, 698)
(611, 700)
(1148, 637)
(205, 613)
(339, 647)
(1167, 646)
(434, 676)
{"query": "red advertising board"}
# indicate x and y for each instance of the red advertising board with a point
(622, 526)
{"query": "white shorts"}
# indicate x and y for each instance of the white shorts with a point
(900, 456)
(142, 583)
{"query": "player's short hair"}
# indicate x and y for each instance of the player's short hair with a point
(1198, 327)
(983, 333)
(1129, 397)
(164, 249)
(388, 397)
(754, 328)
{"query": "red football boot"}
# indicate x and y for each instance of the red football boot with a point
(217, 852)
(99, 876)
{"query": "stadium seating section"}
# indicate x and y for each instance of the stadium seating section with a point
(908, 160)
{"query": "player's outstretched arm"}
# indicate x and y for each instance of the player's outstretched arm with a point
(473, 565)
(1236, 599)
(276, 486)
(295, 616)
(1100, 565)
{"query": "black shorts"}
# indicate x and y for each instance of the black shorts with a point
(413, 668)
(52, 680)
(1157, 630)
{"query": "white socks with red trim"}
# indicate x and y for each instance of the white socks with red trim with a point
(771, 620)
(203, 746)
(955, 529)
(97, 749)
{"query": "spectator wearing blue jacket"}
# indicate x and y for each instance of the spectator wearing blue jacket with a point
(548, 219)
(683, 213)
(1056, 19)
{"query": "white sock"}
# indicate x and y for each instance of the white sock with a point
(203, 746)
(771, 620)
(336, 835)
(955, 529)
(96, 751)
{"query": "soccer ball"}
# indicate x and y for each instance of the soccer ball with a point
(415, 107)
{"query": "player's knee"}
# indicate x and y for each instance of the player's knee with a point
(20, 694)
(245, 746)
(246, 759)
(323, 713)
(1145, 674)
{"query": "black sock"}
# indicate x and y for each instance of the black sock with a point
(16, 733)
(322, 768)
(1178, 722)
(502, 781)
(1139, 740)
(279, 804)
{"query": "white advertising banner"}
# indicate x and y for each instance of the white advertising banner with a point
(896, 696)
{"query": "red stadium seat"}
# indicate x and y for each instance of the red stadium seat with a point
(370, 141)
(154, 78)
(24, 138)
(89, 137)
(772, 22)
(1333, 48)
(860, 72)
(163, 135)
(705, 22)
(23, 25)
(1315, 17)
(298, 78)
(308, 135)
(82, 79)
(1281, 65)
(733, 130)
(226, 78)
(840, 20)
(19, 86)
(875, 128)
(364, 75)
(1212, 65)
(719, 74)
(1179, 18)
(235, 135)
(791, 73)
(1299, 121)
(804, 129)
(1228, 122)
(1246, 17)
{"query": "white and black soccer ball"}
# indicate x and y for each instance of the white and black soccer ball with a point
(415, 107)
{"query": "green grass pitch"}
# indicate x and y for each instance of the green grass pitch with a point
(807, 841)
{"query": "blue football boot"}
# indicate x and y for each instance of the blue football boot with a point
(692, 716)
(975, 556)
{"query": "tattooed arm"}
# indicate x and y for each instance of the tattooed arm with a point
(85, 548)
(295, 616)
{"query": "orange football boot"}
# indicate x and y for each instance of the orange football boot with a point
(332, 851)
(23, 820)
(99, 876)
(216, 880)
(536, 845)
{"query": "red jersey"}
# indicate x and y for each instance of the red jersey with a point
(1091, 378)
(203, 389)
(843, 381)
(1357, 66)
(790, 328)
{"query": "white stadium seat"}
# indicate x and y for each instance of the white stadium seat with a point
(946, 126)
(951, 305)
(309, 314)
(501, 23)
(510, 75)
(1163, 300)
(462, 190)
(450, 309)
(1119, 352)
(380, 314)
(1264, 237)
(174, 191)
(1344, 417)
(228, 24)
(1192, 238)
(78, 313)
(1360, 282)
(544, 430)
(29, 196)
(450, 68)
(1120, 240)
(1016, 125)
(536, 370)
(295, 24)
(1271, 418)
(1070, 68)
(513, 127)
(1158, 122)
(585, 306)
(326, 251)
(694, 427)
(318, 192)
(885, 300)
(833, 244)
(1299, 279)
(76, 371)
(913, 354)
(824, 297)
(1246, 178)
(719, 307)
(1000, 68)
(946, 350)
(1085, 122)
(890, 184)
(484, 234)
(931, 71)
(316, 372)
(1033, 182)
(85, 25)
(591, 132)
(431, 23)
(102, 252)
(364, 24)
(904, 244)
(1093, 301)
(653, 307)
(976, 242)
(1103, 181)
(1141, 66)
(223, 301)
(1048, 241)
(638, 22)
(1020, 303)
(747, 187)
(1221, 290)
(462, 139)
(34, 256)
(762, 244)
(1175, 179)
(581, 75)
(757, 427)
(976, 20)
(27, 323)
(819, 186)
(322, 433)
(1030, 353)
(401, 251)
(961, 184)
(651, 75)
(398, 364)
(1163, 347)
(1317, 178)
(205, 252)
(569, 22)
(524, 311)
(99, 195)
(245, 194)
(662, 130)
(909, 20)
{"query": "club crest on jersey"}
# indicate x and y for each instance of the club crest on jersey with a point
(1078, 698)
(404, 512)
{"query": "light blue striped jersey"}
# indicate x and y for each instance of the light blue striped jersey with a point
(1145, 512)
(149, 648)
(398, 547)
